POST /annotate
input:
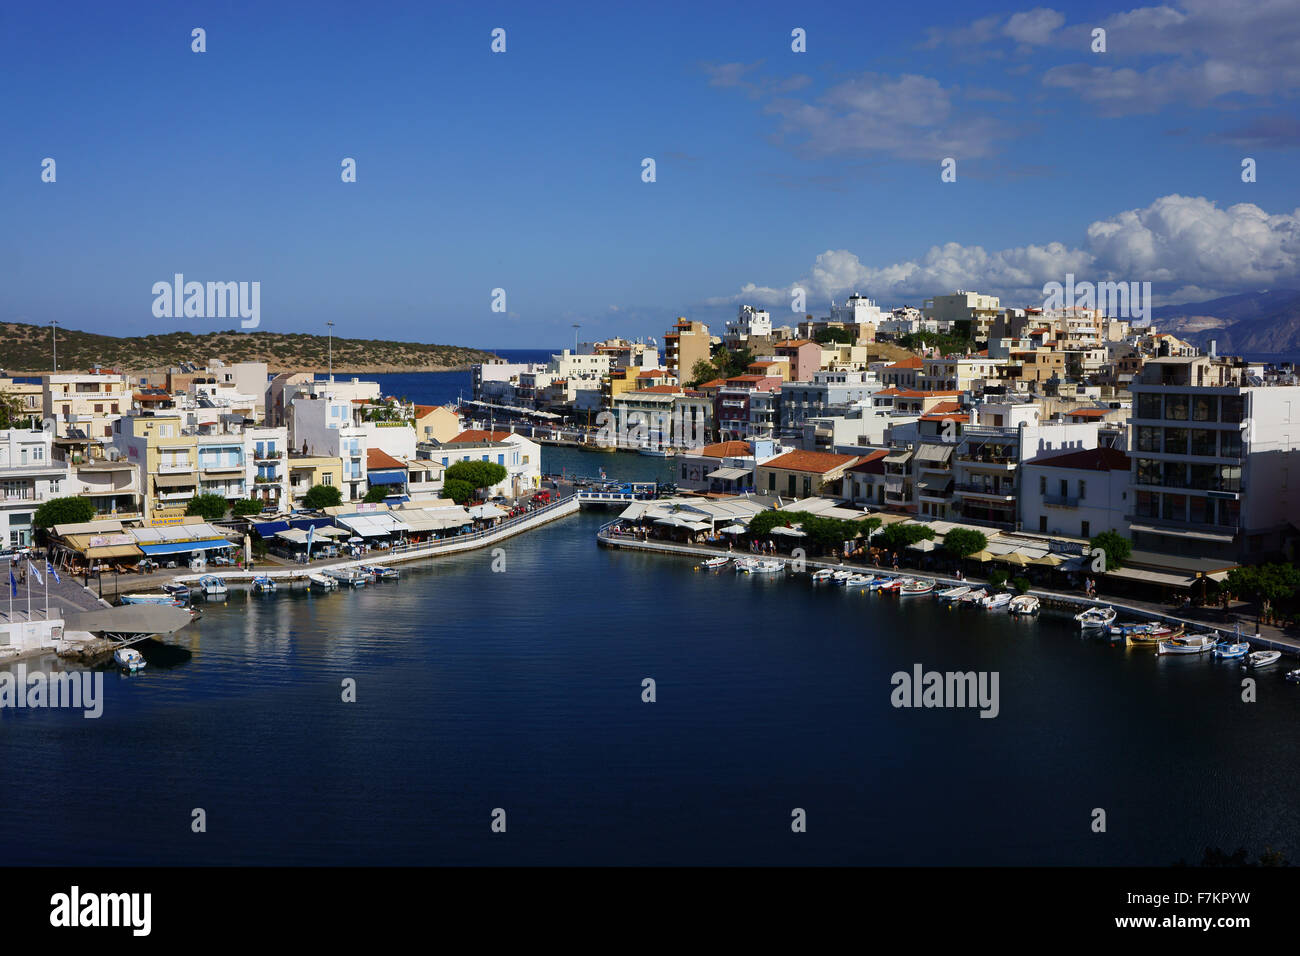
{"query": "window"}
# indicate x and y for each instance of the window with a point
(1176, 441)
(1083, 493)
(1042, 484)
(1205, 408)
(1234, 408)
(1203, 442)
(1229, 444)
(1148, 406)
(1042, 523)
(1084, 531)
(1065, 488)
(1174, 508)
(1146, 504)
(99, 408)
(501, 460)
(1148, 438)
(1176, 407)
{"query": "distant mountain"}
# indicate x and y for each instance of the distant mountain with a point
(1249, 322)
(26, 348)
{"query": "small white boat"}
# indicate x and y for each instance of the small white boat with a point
(768, 567)
(714, 564)
(841, 576)
(382, 572)
(823, 576)
(1023, 604)
(1262, 658)
(859, 580)
(1293, 677)
(1190, 644)
(263, 585)
(656, 452)
(953, 594)
(146, 598)
(915, 588)
(213, 586)
(1231, 651)
(1096, 617)
(745, 565)
(347, 576)
(319, 582)
(995, 602)
(974, 597)
(129, 659)
(179, 591)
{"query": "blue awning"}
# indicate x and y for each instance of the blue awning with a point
(305, 523)
(184, 547)
(386, 477)
(269, 528)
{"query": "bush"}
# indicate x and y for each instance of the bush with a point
(900, 534)
(322, 496)
(71, 510)
(247, 506)
(376, 494)
(1022, 585)
(477, 474)
(208, 506)
(458, 491)
(997, 578)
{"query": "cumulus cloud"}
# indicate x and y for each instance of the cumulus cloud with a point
(1181, 242)
(1034, 27)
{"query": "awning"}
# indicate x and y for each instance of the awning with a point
(173, 481)
(925, 544)
(789, 532)
(934, 485)
(293, 536)
(899, 457)
(933, 453)
(1172, 579)
(386, 477)
(183, 547)
(373, 525)
(487, 511)
(729, 474)
(113, 551)
(88, 527)
(734, 529)
(1181, 533)
(269, 528)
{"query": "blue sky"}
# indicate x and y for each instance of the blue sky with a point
(522, 170)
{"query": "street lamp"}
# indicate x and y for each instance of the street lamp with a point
(330, 340)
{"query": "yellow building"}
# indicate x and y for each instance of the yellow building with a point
(307, 471)
(168, 463)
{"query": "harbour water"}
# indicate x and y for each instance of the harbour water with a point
(522, 690)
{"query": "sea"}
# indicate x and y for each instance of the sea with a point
(515, 687)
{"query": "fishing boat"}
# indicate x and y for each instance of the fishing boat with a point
(841, 576)
(1132, 627)
(823, 576)
(1258, 659)
(713, 564)
(995, 602)
(146, 598)
(263, 585)
(1231, 651)
(953, 594)
(859, 580)
(745, 565)
(916, 588)
(656, 452)
(1025, 604)
(319, 582)
(1095, 617)
(383, 572)
(1293, 677)
(180, 592)
(347, 576)
(129, 659)
(973, 598)
(213, 586)
(1191, 644)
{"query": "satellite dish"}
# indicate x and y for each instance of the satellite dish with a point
(113, 454)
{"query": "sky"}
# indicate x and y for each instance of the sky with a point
(523, 170)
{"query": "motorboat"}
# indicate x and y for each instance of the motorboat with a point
(712, 564)
(745, 565)
(263, 585)
(768, 567)
(842, 575)
(916, 588)
(1132, 627)
(1095, 617)
(953, 594)
(146, 598)
(823, 576)
(859, 580)
(973, 598)
(1153, 635)
(319, 582)
(1293, 677)
(1231, 651)
(213, 586)
(1191, 644)
(995, 602)
(347, 576)
(1025, 604)
(1258, 659)
(129, 659)
(895, 584)
(180, 592)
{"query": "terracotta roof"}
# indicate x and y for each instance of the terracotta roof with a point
(872, 464)
(794, 343)
(914, 393)
(422, 410)
(656, 389)
(1090, 459)
(944, 407)
(478, 435)
(818, 462)
(945, 418)
(714, 383)
(1087, 412)
(377, 460)
(914, 362)
(746, 378)
(653, 373)
(725, 449)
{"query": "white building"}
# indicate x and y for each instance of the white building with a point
(86, 403)
(29, 476)
(858, 311)
(520, 456)
(1077, 494)
(323, 426)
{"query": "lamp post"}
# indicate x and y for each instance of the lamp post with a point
(54, 342)
(330, 339)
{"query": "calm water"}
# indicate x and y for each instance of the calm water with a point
(439, 388)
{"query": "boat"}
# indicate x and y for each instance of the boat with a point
(263, 585)
(894, 584)
(1153, 635)
(1191, 644)
(1259, 659)
(839, 577)
(1132, 627)
(823, 576)
(319, 582)
(714, 563)
(916, 588)
(383, 572)
(768, 567)
(973, 598)
(146, 598)
(128, 658)
(1231, 651)
(347, 576)
(656, 451)
(1095, 617)
(213, 586)
(745, 565)
(1023, 604)
(1293, 677)
(994, 602)
(859, 580)
(953, 594)
(180, 592)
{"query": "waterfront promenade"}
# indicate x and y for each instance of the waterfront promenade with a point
(1271, 637)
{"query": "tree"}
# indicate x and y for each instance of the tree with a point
(211, 507)
(376, 494)
(319, 497)
(457, 490)
(900, 534)
(70, 510)
(477, 474)
(997, 578)
(247, 506)
(963, 542)
(13, 415)
(1022, 585)
(840, 336)
(702, 372)
(1115, 546)
(1266, 583)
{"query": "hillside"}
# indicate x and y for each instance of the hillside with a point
(1252, 322)
(26, 348)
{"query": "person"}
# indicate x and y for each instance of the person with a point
(895, 560)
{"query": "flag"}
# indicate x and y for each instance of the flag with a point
(13, 584)
(36, 574)
(49, 568)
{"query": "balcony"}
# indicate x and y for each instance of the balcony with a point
(267, 455)
(181, 468)
(1005, 493)
(992, 462)
(1059, 501)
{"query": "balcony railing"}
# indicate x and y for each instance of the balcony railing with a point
(184, 468)
(1059, 501)
(1006, 491)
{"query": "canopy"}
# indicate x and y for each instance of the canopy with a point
(1048, 560)
(934, 453)
(173, 481)
(925, 544)
(729, 474)
(789, 532)
(268, 528)
(293, 535)
(1014, 557)
(486, 511)
(980, 556)
(373, 525)
(736, 528)
(386, 477)
(182, 547)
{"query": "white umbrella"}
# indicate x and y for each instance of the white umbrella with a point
(734, 529)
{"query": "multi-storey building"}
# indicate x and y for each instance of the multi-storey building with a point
(685, 344)
(29, 476)
(85, 404)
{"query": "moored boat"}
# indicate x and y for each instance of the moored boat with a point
(1259, 659)
(1231, 651)
(128, 658)
(768, 567)
(1095, 617)
(953, 594)
(842, 575)
(1153, 635)
(213, 586)
(859, 580)
(180, 592)
(263, 585)
(994, 602)
(1293, 677)
(319, 582)
(916, 588)
(347, 576)
(1191, 644)
(712, 564)
(973, 598)
(1023, 604)
(147, 598)
(823, 576)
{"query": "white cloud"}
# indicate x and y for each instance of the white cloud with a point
(1183, 242)
(1034, 27)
